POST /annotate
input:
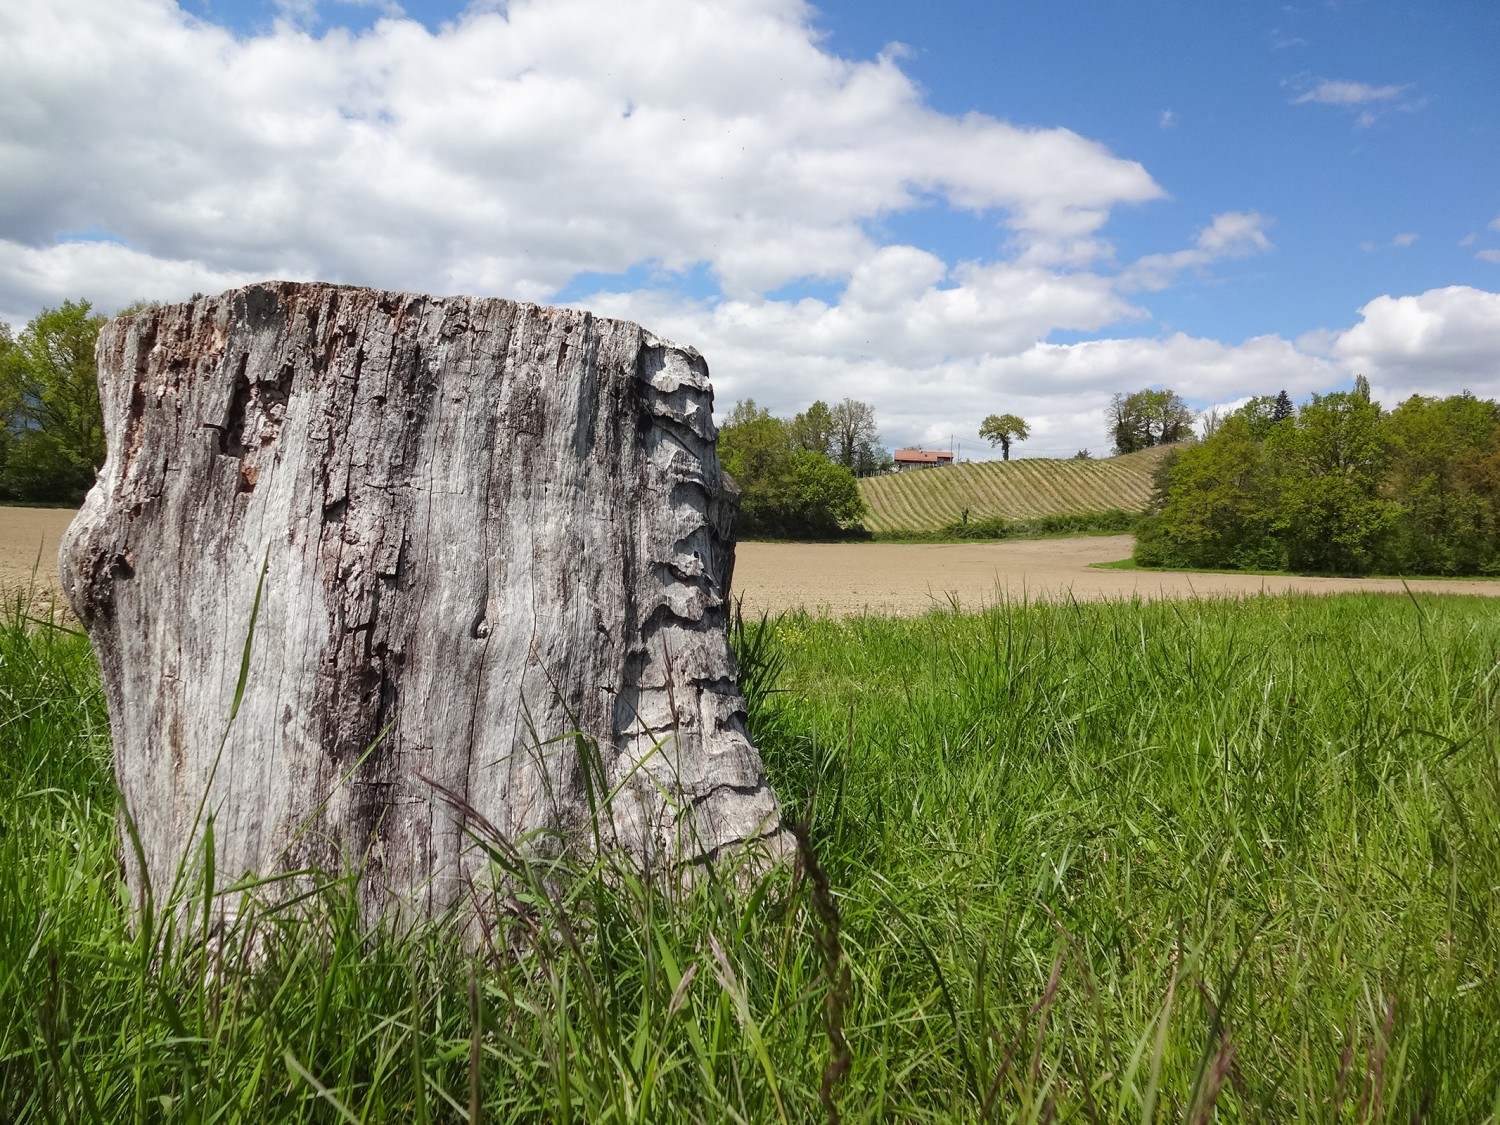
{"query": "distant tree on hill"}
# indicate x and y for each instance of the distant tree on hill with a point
(1148, 418)
(1002, 429)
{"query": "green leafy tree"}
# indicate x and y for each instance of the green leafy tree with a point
(786, 490)
(1340, 486)
(752, 445)
(1217, 505)
(1262, 412)
(813, 429)
(1330, 467)
(51, 393)
(1148, 418)
(816, 496)
(7, 401)
(1002, 429)
(856, 440)
(1440, 454)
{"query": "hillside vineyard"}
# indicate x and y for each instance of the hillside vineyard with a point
(928, 499)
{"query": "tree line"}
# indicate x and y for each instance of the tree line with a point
(1339, 485)
(797, 475)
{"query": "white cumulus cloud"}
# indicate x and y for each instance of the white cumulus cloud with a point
(1233, 234)
(714, 171)
(511, 150)
(1438, 342)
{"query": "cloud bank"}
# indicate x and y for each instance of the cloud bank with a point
(710, 170)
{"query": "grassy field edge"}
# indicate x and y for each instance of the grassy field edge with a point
(1095, 862)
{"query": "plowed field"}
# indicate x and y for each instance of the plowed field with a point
(28, 555)
(908, 578)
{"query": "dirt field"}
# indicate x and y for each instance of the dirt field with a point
(845, 578)
(908, 578)
(24, 531)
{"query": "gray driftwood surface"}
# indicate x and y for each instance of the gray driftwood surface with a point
(484, 524)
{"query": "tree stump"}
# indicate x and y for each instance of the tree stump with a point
(475, 524)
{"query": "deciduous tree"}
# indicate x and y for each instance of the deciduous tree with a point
(1439, 453)
(813, 429)
(1002, 429)
(7, 401)
(856, 440)
(51, 393)
(1218, 505)
(1330, 467)
(1261, 413)
(1147, 418)
(787, 489)
(1340, 486)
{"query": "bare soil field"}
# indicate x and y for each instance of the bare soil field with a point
(24, 532)
(849, 578)
(910, 578)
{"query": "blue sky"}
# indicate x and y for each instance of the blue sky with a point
(945, 209)
(1229, 76)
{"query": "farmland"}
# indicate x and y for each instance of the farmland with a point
(28, 556)
(845, 578)
(911, 578)
(928, 499)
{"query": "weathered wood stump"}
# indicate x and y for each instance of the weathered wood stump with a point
(481, 524)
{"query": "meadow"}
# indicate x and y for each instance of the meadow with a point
(1232, 860)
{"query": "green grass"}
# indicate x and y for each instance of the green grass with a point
(1100, 862)
(1131, 564)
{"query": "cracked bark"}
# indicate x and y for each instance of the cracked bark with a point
(483, 524)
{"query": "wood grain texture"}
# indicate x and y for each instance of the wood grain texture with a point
(483, 525)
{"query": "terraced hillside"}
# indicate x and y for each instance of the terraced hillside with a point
(927, 499)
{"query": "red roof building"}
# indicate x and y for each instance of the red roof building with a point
(922, 458)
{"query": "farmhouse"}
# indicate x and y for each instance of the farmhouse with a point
(922, 458)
